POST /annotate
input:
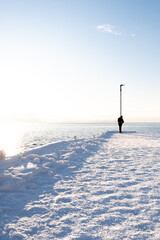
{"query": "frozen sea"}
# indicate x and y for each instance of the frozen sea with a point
(18, 137)
(103, 185)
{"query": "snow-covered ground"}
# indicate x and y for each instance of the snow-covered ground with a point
(101, 188)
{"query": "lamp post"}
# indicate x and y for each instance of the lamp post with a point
(121, 99)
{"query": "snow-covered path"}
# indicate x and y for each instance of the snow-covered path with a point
(104, 188)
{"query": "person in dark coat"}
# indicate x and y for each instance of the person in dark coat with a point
(120, 122)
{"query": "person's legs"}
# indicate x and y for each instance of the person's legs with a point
(120, 128)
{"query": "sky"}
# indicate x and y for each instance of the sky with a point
(64, 60)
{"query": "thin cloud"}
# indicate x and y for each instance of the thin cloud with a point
(108, 28)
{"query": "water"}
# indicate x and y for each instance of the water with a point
(17, 137)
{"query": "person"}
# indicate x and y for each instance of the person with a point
(120, 122)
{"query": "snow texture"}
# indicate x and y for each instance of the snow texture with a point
(100, 188)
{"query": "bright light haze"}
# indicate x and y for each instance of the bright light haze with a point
(63, 60)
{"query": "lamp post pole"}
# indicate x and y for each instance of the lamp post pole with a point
(121, 99)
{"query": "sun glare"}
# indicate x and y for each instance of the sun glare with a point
(9, 137)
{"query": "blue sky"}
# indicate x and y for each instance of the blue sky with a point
(63, 60)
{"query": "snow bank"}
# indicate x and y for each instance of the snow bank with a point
(99, 188)
(18, 172)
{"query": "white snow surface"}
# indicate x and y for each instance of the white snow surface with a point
(101, 188)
